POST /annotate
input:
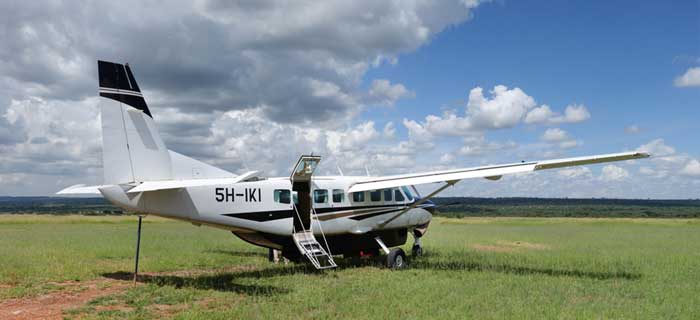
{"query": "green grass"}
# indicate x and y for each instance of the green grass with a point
(484, 268)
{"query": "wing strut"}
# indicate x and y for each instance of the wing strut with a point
(421, 201)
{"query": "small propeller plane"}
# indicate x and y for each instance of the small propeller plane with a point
(306, 216)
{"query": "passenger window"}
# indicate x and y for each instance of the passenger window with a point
(320, 196)
(398, 195)
(282, 196)
(408, 193)
(358, 196)
(387, 195)
(375, 195)
(338, 195)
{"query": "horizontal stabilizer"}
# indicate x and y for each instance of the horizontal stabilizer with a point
(177, 184)
(81, 189)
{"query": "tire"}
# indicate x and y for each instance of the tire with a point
(396, 259)
(417, 251)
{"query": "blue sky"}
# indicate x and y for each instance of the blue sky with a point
(391, 86)
(619, 59)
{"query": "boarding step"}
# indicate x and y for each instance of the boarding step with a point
(308, 246)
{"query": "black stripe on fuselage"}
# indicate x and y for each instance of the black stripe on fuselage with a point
(264, 216)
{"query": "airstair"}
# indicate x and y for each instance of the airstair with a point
(308, 246)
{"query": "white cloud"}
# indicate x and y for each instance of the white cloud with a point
(692, 168)
(559, 137)
(633, 129)
(555, 135)
(389, 130)
(691, 78)
(353, 139)
(447, 158)
(647, 171)
(544, 115)
(576, 172)
(475, 146)
(383, 92)
(612, 172)
(505, 108)
(540, 114)
(417, 132)
(657, 148)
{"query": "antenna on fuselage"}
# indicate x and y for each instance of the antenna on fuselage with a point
(367, 171)
(339, 171)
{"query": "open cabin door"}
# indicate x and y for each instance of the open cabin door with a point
(302, 233)
(301, 185)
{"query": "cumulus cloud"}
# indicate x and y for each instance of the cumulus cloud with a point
(692, 168)
(559, 137)
(474, 146)
(612, 172)
(219, 76)
(502, 108)
(383, 92)
(575, 172)
(544, 115)
(389, 130)
(657, 148)
(633, 129)
(691, 78)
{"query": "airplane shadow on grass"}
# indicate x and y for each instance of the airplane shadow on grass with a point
(524, 270)
(226, 281)
(473, 264)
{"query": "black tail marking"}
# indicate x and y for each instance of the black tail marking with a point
(117, 82)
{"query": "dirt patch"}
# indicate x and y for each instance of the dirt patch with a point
(509, 246)
(73, 295)
(491, 248)
(52, 305)
(524, 245)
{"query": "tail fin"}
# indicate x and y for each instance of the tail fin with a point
(132, 149)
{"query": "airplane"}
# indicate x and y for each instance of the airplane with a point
(305, 216)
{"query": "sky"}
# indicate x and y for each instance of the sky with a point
(387, 87)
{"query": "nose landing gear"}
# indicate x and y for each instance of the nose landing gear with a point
(417, 249)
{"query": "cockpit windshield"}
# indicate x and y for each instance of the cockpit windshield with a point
(407, 193)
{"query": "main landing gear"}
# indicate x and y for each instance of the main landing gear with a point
(395, 258)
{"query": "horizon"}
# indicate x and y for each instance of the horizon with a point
(385, 87)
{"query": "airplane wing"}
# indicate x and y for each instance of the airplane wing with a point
(494, 172)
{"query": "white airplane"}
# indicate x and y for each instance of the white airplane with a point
(352, 215)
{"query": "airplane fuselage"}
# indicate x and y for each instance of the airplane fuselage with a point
(262, 211)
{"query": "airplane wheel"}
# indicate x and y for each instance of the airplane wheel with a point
(417, 251)
(396, 259)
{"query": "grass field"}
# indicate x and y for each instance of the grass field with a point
(484, 268)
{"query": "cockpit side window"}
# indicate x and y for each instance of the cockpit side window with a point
(398, 196)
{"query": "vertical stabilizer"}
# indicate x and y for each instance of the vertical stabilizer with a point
(132, 149)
